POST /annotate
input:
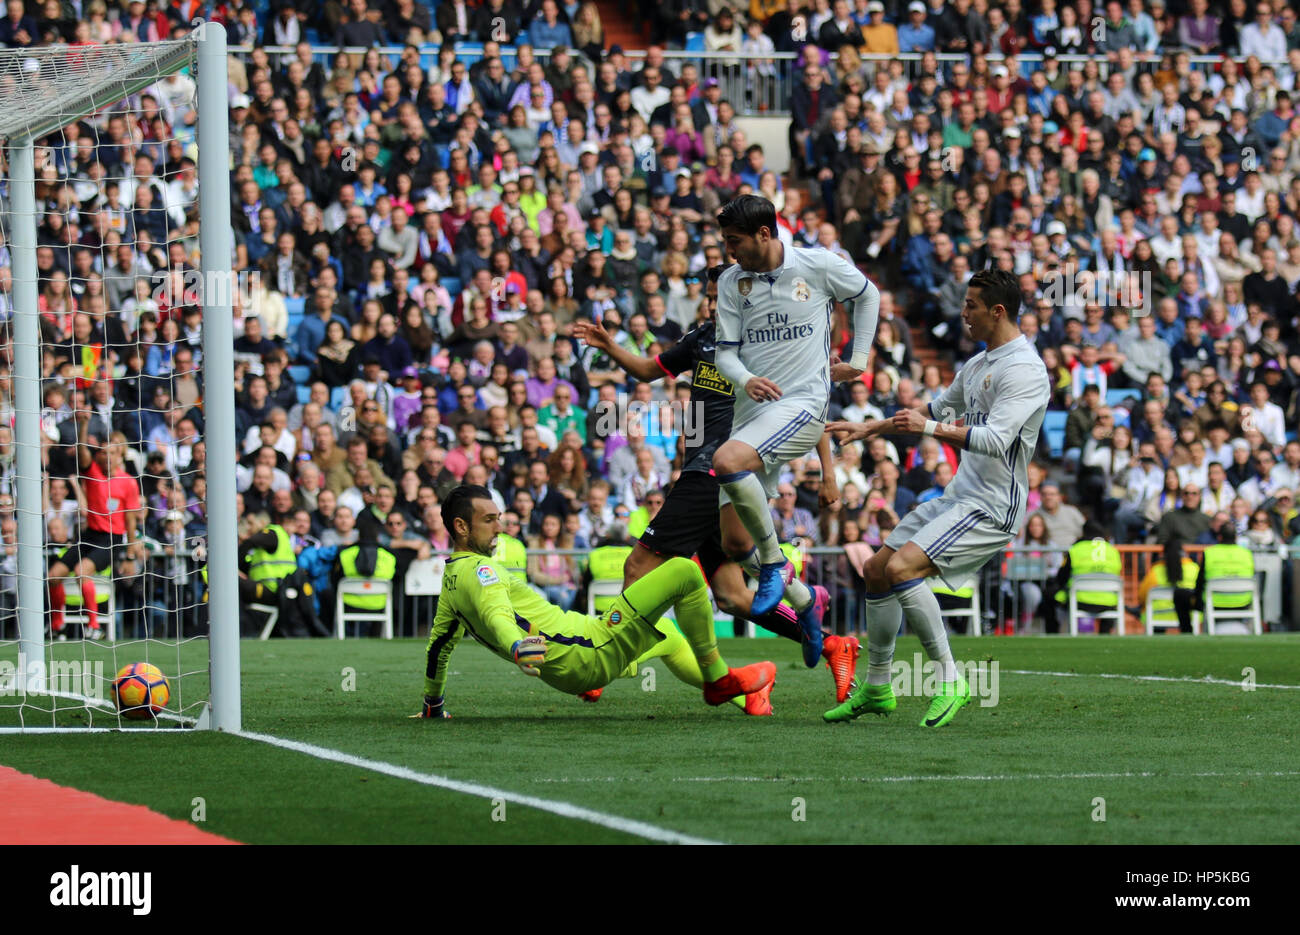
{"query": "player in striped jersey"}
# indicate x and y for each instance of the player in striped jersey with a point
(1000, 396)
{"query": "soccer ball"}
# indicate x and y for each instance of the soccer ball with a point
(141, 691)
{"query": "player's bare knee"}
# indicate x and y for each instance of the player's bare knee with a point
(637, 566)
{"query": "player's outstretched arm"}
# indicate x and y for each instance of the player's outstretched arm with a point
(918, 422)
(846, 432)
(645, 369)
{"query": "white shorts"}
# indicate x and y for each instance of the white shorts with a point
(957, 536)
(780, 432)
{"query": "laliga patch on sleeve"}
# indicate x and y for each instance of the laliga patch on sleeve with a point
(487, 576)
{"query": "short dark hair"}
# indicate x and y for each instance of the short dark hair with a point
(998, 287)
(460, 504)
(747, 213)
(715, 272)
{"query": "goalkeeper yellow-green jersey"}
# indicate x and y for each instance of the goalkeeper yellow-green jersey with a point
(480, 597)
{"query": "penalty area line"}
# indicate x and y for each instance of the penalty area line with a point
(563, 809)
(1185, 679)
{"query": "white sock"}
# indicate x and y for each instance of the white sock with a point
(883, 620)
(750, 500)
(798, 594)
(921, 608)
(750, 563)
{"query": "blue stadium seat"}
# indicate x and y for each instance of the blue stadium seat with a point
(1115, 397)
(694, 42)
(453, 286)
(338, 397)
(1054, 429)
(304, 394)
(300, 374)
(295, 306)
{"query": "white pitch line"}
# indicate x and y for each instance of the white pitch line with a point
(1010, 777)
(1188, 679)
(563, 809)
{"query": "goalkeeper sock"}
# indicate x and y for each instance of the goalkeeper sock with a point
(750, 500)
(883, 619)
(90, 600)
(679, 583)
(678, 657)
(58, 600)
(921, 608)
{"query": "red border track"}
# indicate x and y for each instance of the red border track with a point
(38, 811)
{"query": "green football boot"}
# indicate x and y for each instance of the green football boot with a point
(865, 699)
(943, 706)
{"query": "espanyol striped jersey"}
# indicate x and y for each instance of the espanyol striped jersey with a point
(780, 323)
(1002, 395)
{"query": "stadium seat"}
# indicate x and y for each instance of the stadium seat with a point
(1115, 397)
(424, 577)
(304, 394)
(300, 374)
(363, 587)
(1166, 618)
(1215, 615)
(1054, 429)
(1109, 583)
(607, 588)
(338, 398)
(694, 42)
(452, 285)
(105, 596)
(272, 612)
(972, 612)
(295, 306)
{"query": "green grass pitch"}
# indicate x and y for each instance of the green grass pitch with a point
(1181, 760)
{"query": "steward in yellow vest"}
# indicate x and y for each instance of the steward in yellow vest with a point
(1186, 588)
(512, 555)
(269, 574)
(1229, 561)
(1094, 556)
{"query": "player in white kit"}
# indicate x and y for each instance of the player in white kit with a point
(774, 342)
(1000, 395)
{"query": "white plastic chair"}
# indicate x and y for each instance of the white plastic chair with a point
(105, 593)
(363, 587)
(272, 612)
(1165, 622)
(606, 587)
(1213, 615)
(424, 577)
(973, 612)
(1110, 584)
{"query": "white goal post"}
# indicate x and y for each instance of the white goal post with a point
(43, 90)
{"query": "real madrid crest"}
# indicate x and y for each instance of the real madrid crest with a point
(801, 292)
(988, 378)
(745, 285)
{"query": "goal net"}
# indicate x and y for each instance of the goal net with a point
(116, 388)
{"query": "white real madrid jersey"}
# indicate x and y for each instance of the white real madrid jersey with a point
(780, 323)
(1002, 395)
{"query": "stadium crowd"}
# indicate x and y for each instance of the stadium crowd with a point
(425, 232)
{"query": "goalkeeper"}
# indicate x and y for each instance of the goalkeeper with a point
(569, 651)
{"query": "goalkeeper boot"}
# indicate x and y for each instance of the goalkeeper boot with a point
(841, 654)
(772, 580)
(759, 703)
(945, 705)
(865, 699)
(810, 624)
(743, 681)
(591, 696)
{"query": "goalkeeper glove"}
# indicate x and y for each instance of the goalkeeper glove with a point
(529, 653)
